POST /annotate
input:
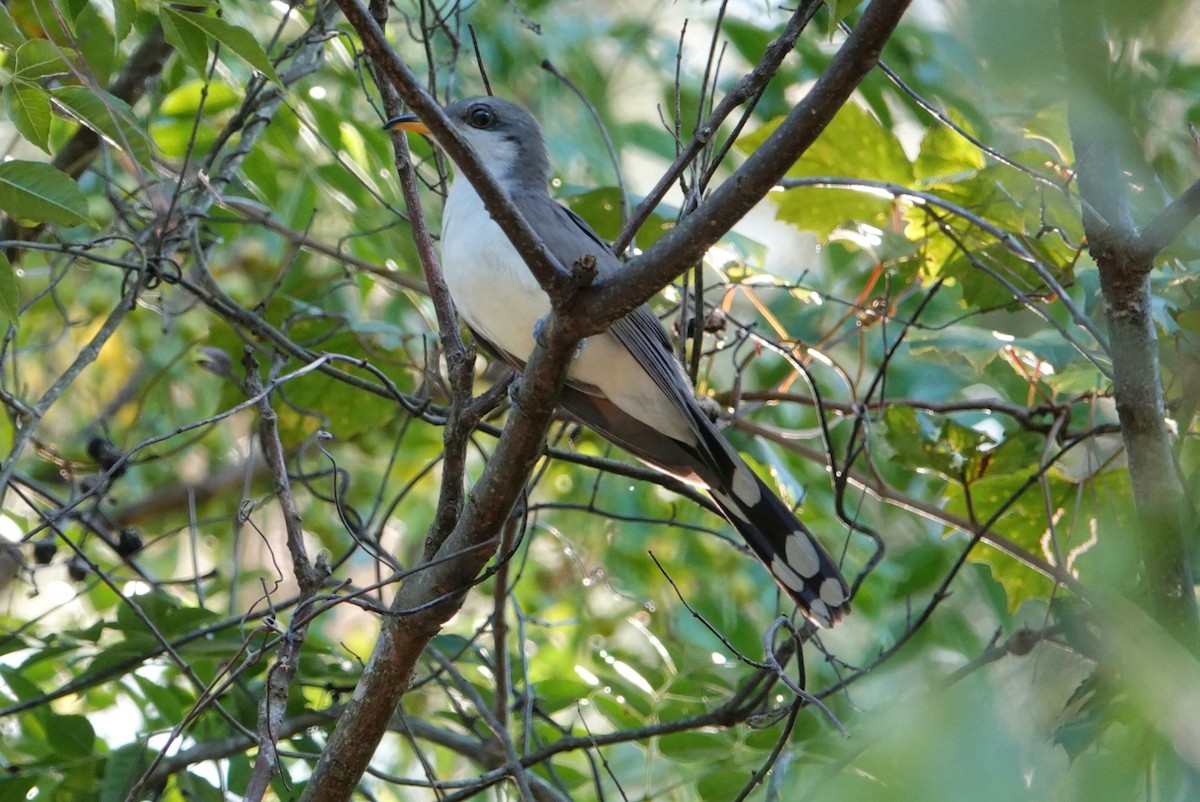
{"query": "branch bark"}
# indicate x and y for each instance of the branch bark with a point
(758, 175)
(1125, 263)
(273, 704)
(431, 596)
(750, 85)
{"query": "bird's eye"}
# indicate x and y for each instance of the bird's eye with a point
(480, 117)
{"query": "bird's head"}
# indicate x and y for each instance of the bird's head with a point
(504, 136)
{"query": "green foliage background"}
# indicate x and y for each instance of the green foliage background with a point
(247, 201)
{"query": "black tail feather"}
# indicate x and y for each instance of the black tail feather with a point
(797, 562)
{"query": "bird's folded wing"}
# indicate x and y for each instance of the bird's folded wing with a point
(640, 331)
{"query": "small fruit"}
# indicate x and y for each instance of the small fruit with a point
(129, 543)
(77, 569)
(44, 551)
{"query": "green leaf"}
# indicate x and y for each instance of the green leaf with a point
(561, 692)
(748, 38)
(1049, 126)
(616, 711)
(164, 697)
(197, 789)
(347, 413)
(15, 789)
(38, 192)
(28, 106)
(70, 736)
(945, 153)
(186, 100)
(123, 13)
(722, 784)
(166, 613)
(950, 449)
(109, 117)
(190, 42)
(695, 747)
(95, 41)
(239, 40)
(1093, 708)
(854, 145)
(10, 35)
(39, 58)
(18, 684)
(122, 769)
(10, 296)
(838, 10)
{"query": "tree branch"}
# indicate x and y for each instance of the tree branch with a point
(431, 596)
(309, 577)
(551, 275)
(1169, 223)
(690, 240)
(1125, 263)
(750, 85)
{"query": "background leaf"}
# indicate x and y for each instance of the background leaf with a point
(35, 191)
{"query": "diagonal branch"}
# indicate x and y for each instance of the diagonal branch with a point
(690, 240)
(432, 595)
(1169, 223)
(749, 86)
(1124, 262)
(553, 277)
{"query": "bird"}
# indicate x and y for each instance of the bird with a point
(625, 383)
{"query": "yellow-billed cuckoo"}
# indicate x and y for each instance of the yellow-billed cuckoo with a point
(626, 382)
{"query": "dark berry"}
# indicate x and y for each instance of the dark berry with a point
(77, 569)
(106, 454)
(44, 550)
(129, 543)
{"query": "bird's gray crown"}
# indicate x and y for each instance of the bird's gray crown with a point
(506, 138)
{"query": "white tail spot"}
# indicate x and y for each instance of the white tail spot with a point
(818, 613)
(802, 555)
(784, 573)
(832, 592)
(745, 486)
(728, 503)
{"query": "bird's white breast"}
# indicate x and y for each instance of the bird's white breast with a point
(498, 297)
(494, 291)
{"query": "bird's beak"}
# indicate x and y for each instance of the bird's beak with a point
(407, 122)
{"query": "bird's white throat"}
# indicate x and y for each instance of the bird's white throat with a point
(492, 288)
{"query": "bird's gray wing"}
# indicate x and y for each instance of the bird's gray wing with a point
(784, 545)
(568, 237)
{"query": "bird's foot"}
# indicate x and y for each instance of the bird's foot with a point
(514, 390)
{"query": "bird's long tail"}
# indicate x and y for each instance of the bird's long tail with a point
(795, 559)
(789, 551)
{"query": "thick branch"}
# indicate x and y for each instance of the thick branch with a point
(751, 84)
(553, 276)
(690, 240)
(1170, 222)
(460, 361)
(431, 596)
(1125, 266)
